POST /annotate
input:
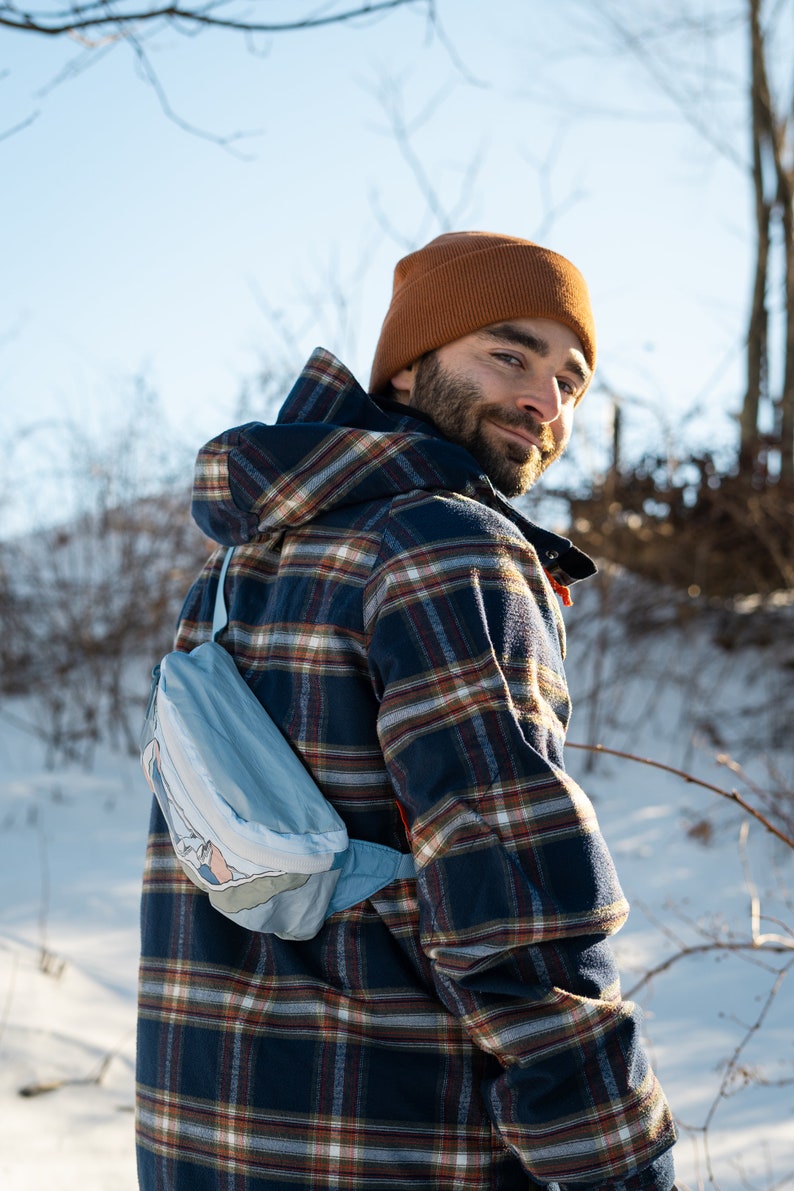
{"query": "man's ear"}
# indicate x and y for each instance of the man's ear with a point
(402, 384)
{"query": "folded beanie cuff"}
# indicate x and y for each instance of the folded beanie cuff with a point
(464, 281)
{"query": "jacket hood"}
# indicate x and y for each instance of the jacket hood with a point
(332, 446)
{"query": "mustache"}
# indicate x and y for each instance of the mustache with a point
(516, 420)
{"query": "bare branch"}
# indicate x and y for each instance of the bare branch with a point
(391, 98)
(97, 15)
(41, 1087)
(26, 123)
(544, 169)
(738, 946)
(644, 46)
(756, 917)
(389, 93)
(731, 795)
(225, 141)
(454, 56)
(83, 61)
(98, 26)
(733, 1062)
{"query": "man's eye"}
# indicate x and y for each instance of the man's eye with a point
(508, 358)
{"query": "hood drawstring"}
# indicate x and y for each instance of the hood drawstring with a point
(562, 591)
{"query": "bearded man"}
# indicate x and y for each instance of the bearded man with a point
(399, 620)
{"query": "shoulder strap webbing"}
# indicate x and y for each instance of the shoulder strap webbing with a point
(220, 615)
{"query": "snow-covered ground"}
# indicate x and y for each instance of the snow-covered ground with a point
(71, 848)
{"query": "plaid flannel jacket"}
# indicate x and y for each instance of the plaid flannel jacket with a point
(465, 1030)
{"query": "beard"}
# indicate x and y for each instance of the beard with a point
(461, 412)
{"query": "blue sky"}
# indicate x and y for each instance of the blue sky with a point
(131, 247)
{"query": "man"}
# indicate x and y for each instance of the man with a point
(398, 619)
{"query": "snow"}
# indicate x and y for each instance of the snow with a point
(71, 850)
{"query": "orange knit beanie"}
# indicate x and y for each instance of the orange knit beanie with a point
(463, 281)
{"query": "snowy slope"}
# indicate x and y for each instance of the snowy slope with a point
(71, 846)
(649, 680)
(71, 849)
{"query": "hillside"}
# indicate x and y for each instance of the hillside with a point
(649, 677)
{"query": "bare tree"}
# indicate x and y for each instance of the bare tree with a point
(773, 178)
(677, 47)
(87, 604)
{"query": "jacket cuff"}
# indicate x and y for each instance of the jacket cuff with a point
(659, 1176)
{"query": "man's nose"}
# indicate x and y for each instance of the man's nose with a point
(542, 399)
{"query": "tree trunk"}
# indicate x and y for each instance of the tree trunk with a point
(771, 131)
(787, 396)
(756, 352)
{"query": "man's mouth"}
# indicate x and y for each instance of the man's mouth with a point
(519, 435)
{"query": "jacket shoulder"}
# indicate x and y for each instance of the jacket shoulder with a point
(422, 519)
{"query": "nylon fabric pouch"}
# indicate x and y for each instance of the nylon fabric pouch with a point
(249, 825)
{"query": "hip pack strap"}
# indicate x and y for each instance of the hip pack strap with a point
(220, 615)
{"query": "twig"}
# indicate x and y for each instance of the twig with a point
(49, 963)
(731, 795)
(390, 95)
(435, 24)
(668, 79)
(737, 947)
(9, 996)
(732, 1064)
(53, 1085)
(151, 77)
(26, 123)
(755, 901)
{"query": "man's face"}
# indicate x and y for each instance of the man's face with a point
(507, 393)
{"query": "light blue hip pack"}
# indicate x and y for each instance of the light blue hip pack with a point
(248, 823)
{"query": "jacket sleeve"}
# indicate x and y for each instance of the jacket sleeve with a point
(517, 892)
